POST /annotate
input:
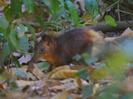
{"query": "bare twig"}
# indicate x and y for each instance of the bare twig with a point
(125, 12)
(107, 28)
(118, 12)
(112, 5)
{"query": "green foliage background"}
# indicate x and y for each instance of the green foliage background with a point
(14, 34)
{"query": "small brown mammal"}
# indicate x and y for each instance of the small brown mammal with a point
(60, 50)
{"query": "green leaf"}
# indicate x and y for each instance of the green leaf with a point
(83, 74)
(76, 57)
(73, 12)
(15, 62)
(44, 66)
(3, 22)
(92, 7)
(110, 20)
(29, 5)
(47, 3)
(16, 6)
(106, 95)
(20, 73)
(21, 29)
(17, 39)
(85, 57)
(24, 43)
(116, 64)
(13, 86)
(6, 50)
(110, 92)
(127, 96)
(99, 74)
(8, 13)
(32, 30)
(55, 8)
(87, 91)
(2, 78)
(14, 41)
(1, 37)
(54, 5)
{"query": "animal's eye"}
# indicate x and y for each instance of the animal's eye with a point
(42, 49)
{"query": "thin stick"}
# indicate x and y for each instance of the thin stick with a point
(118, 12)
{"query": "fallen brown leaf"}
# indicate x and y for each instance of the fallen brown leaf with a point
(62, 95)
(37, 72)
(128, 84)
(62, 72)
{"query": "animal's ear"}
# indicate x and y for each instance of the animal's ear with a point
(40, 43)
(38, 39)
(42, 38)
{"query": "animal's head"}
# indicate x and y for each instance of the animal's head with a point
(45, 49)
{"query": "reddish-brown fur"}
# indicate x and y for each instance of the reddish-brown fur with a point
(60, 50)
